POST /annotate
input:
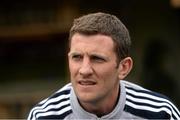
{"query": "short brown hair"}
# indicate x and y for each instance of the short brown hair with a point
(106, 24)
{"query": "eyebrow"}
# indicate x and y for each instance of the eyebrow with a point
(73, 53)
(92, 54)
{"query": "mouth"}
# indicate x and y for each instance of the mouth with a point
(86, 82)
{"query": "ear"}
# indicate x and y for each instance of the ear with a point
(125, 67)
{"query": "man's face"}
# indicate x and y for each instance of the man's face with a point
(93, 67)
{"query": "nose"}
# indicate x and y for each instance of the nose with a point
(86, 68)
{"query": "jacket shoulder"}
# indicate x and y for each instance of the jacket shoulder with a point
(149, 104)
(57, 106)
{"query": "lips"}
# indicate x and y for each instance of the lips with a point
(86, 82)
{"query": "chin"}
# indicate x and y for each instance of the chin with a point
(86, 98)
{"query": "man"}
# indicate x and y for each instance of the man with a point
(99, 60)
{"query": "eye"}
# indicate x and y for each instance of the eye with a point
(76, 57)
(98, 59)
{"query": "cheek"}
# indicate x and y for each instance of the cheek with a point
(108, 80)
(108, 73)
(73, 68)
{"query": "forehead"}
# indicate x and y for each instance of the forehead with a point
(96, 42)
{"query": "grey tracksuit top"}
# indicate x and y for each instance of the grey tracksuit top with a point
(134, 102)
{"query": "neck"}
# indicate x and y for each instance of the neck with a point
(102, 107)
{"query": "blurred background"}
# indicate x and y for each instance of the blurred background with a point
(33, 41)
